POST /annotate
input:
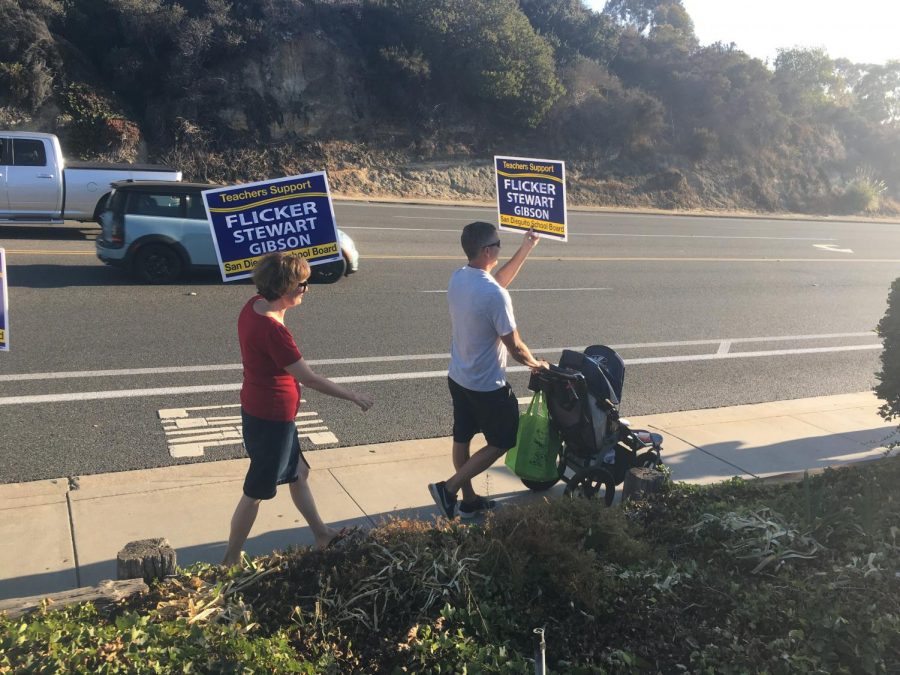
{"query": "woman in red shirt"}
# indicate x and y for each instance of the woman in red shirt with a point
(274, 369)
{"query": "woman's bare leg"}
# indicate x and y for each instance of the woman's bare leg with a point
(241, 523)
(306, 505)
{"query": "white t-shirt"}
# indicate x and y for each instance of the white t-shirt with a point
(480, 312)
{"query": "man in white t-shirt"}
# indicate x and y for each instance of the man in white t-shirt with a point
(484, 331)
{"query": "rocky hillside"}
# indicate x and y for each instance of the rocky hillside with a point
(410, 99)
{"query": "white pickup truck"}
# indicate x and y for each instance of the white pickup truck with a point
(37, 183)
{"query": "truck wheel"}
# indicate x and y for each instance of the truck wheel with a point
(158, 264)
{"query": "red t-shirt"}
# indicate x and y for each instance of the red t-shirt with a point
(267, 346)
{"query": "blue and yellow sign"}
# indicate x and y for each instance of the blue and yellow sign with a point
(531, 194)
(4, 305)
(293, 215)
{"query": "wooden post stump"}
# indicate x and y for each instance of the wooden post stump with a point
(642, 481)
(102, 594)
(146, 559)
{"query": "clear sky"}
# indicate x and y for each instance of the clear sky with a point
(864, 31)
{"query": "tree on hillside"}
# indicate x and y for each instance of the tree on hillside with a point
(29, 60)
(878, 93)
(483, 51)
(644, 15)
(573, 30)
(806, 80)
(724, 104)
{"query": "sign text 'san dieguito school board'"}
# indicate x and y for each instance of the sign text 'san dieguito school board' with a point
(4, 305)
(291, 214)
(531, 193)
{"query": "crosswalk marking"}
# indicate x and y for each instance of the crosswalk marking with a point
(190, 431)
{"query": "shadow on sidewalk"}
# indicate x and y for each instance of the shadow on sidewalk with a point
(700, 463)
(801, 454)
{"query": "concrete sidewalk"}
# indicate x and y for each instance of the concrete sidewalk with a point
(56, 536)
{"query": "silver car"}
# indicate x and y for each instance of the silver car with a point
(158, 230)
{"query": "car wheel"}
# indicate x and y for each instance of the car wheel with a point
(330, 272)
(158, 264)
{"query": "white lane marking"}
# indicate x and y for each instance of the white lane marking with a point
(527, 290)
(181, 412)
(626, 235)
(188, 436)
(833, 248)
(387, 377)
(724, 346)
(695, 236)
(747, 355)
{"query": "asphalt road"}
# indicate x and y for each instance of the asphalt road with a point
(706, 311)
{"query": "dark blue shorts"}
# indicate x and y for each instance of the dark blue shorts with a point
(493, 413)
(274, 450)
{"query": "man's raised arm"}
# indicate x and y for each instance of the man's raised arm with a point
(505, 275)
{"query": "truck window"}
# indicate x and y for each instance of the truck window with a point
(28, 152)
(151, 204)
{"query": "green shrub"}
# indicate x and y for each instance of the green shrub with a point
(888, 387)
(862, 194)
(737, 577)
(95, 125)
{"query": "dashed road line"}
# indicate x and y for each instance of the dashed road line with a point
(396, 377)
(75, 374)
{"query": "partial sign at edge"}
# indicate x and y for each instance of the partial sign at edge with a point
(4, 304)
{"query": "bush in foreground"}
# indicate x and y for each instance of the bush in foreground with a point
(736, 577)
(888, 387)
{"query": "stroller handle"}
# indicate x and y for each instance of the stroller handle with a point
(563, 373)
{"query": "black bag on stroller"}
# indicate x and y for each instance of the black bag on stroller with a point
(598, 447)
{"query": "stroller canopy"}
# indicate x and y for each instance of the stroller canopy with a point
(603, 370)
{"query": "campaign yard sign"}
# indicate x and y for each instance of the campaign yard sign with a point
(4, 305)
(292, 214)
(531, 193)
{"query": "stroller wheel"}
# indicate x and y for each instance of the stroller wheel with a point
(539, 485)
(593, 482)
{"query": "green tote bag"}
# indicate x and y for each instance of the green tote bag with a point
(537, 446)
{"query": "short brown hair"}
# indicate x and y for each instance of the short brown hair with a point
(278, 274)
(475, 236)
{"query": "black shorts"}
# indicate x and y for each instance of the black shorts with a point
(493, 413)
(274, 450)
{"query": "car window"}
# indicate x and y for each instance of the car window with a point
(116, 202)
(28, 152)
(155, 204)
(3, 160)
(195, 207)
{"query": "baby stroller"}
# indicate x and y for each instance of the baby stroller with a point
(598, 447)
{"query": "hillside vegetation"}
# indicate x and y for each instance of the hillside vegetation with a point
(412, 98)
